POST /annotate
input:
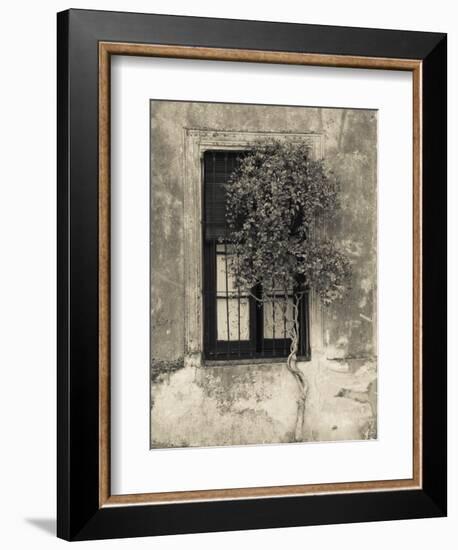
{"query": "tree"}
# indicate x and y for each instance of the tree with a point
(277, 199)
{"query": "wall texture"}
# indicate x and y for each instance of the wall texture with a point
(222, 405)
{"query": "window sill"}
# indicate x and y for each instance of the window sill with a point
(255, 361)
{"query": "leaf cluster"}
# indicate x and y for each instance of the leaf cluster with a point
(276, 198)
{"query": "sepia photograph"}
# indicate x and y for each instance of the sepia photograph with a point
(251, 275)
(263, 274)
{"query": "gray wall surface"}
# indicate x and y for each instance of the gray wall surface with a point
(199, 405)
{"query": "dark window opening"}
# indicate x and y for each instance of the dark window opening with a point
(235, 324)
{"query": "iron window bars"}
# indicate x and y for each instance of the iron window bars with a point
(236, 325)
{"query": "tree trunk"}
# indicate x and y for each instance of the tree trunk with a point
(297, 373)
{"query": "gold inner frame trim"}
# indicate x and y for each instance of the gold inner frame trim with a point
(106, 50)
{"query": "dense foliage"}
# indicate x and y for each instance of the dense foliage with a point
(276, 198)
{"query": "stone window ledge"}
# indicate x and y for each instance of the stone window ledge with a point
(258, 362)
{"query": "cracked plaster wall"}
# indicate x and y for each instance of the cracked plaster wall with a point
(202, 406)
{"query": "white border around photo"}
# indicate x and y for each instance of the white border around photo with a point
(134, 467)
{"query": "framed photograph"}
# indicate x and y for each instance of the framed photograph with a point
(251, 275)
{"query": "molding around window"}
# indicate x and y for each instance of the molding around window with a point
(195, 142)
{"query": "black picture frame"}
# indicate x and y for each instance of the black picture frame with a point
(80, 516)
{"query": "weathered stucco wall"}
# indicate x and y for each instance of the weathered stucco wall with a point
(240, 405)
(194, 406)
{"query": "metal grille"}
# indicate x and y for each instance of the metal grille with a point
(236, 325)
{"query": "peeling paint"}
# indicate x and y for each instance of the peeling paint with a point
(255, 404)
(205, 405)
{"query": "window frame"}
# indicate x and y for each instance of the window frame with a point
(256, 347)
